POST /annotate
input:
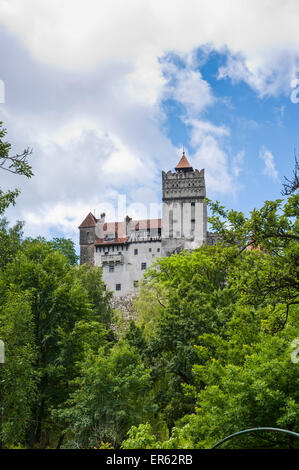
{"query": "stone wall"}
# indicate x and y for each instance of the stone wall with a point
(123, 304)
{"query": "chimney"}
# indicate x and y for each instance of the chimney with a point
(100, 226)
(127, 222)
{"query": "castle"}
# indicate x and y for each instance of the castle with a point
(126, 249)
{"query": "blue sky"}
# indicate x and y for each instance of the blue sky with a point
(256, 124)
(107, 93)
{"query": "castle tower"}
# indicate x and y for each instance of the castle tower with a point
(87, 239)
(184, 218)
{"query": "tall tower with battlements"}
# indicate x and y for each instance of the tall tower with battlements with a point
(184, 218)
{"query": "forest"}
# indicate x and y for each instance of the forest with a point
(210, 350)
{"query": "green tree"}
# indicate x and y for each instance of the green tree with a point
(66, 246)
(112, 394)
(17, 164)
(243, 305)
(191, 297)
(271, 275)
(19, 378)
(61, 307)
(10, 241)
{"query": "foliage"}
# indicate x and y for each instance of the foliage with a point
(10, 241)
(207, 354)
(17, 164)
(18, 378)
(65, 317)
(65, 246)
(195, 300)
(111, 395)
(236, 309)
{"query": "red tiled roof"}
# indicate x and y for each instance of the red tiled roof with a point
(183, 163)
(117, 241)
(146, 223)
(119, 229)
(89, 221)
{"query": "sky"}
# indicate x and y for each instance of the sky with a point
(106, 94)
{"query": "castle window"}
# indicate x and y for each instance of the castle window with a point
(111, 268)
(118, 287)
(158, 250)
(150, 250)
(143, 265)
(135, 251)
(192, 204)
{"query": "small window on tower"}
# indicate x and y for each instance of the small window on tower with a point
(143, 265)
(135, 251)
(118, 287)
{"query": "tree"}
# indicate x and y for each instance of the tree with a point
(112, 394)
(66, 246)
(61, 307)
(246, 386)
(19, 379)
(17, 164)
(271, 274)
(190, 297)
(243, 305)
(291, 185)
(10, 241)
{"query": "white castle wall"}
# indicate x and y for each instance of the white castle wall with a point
(128, 269)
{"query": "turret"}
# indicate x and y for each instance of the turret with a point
(184, 220)
(87, 239)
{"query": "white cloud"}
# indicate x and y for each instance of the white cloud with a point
(268, 158)
(237, 163)
(75, 35)
(91, 84)
(199, 129)
(214, 159)
(187, 86)
(268, 76)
